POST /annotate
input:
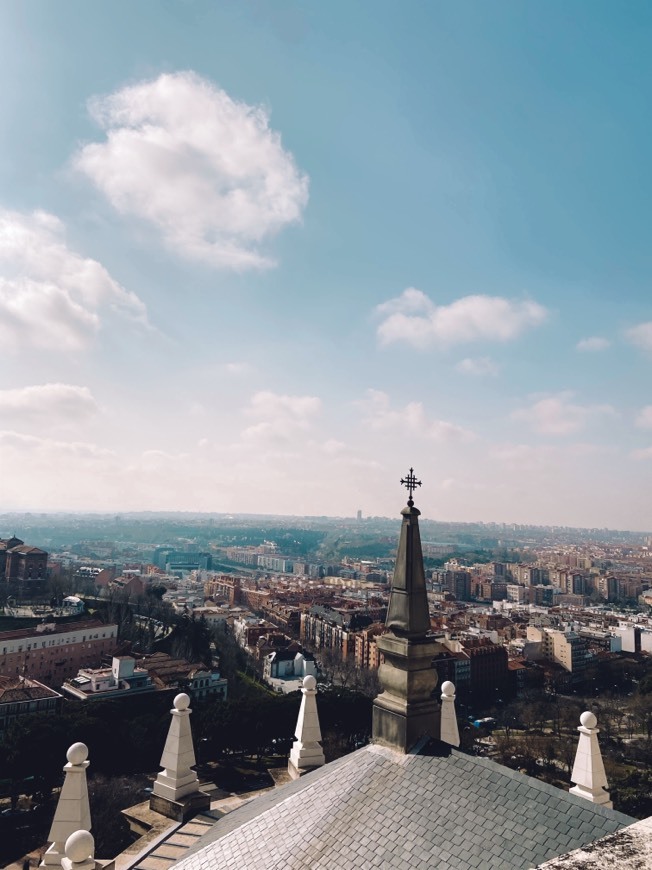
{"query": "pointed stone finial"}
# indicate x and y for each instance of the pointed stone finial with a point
(449, 731)
(306, 753)
(73, 812)
(177, 779)
(80, 852)
(588, 771)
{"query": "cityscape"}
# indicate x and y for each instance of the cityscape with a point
(325, 435)
(113, 616)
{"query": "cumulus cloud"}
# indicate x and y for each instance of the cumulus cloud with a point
(593, 344)
(478, 366)
(48, 402)
(206, 170)
(49, 449)
(50, 296)
(559, 415)
(280, 417)
(39, 472)
(411, 418)
(413, 317)
(641, 335)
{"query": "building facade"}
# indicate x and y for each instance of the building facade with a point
(55, 651)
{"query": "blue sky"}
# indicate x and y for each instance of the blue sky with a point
(264, 256)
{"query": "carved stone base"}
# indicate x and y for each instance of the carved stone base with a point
(183, 809)
(296, 772)
(402, 729)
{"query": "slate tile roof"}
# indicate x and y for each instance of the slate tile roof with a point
(628, 849)
(377, 808)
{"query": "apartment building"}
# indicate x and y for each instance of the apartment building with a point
(53, 651)
(325, 628)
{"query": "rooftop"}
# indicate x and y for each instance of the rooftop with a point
(16, 689)
(627, 849)
(379, 808)
(53, 628)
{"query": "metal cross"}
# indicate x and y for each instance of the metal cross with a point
(410, 483)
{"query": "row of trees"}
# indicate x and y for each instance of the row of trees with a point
(127, 736)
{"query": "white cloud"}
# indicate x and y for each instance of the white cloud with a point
(197, 409)
(558, 415)
(50, 296)
(237, 368)
(333, 447)
(48, 402)
(206, 170)
(412, 317)
(479, 366)
(644, 418)
(642, 454)
(641, 335)
(280, 417)
(412, 418)
(59, 474)
(593, 344)
(50, 450)
(531, 455)
(159, 460)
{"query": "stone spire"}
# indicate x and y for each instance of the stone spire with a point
(407, 612)
(406, 711)
(73, 810)
(449, 731)
(175, 793)
(588, 771)
(306, 753)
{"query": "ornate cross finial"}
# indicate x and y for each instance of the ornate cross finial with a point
(410, 483)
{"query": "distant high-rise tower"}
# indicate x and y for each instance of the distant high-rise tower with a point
(359, 515)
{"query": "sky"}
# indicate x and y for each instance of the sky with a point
(265, 256)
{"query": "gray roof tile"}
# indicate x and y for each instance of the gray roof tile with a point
(375, 808)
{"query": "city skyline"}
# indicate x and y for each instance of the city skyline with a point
(262, 259)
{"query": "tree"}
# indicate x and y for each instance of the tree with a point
(191, 640)
(108, 796)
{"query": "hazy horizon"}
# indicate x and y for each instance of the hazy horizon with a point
(350, 518)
